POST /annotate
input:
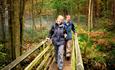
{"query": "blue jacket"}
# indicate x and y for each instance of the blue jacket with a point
(69, 28)
(57, 34)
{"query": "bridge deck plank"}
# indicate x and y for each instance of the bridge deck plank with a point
(67, 65)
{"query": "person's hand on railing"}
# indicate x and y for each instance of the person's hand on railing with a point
(49, 40)
(75, 33)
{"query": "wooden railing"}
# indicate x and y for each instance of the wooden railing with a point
(76, 60)
(45, 56)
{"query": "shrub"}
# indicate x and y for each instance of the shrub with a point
(2, 56)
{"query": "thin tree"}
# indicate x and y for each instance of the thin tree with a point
(33, 19)
(21, 18)
(90, 20)
(2, 17)
(91, 23)
(113, 10)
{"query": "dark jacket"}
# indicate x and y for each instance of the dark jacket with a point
(57, 34)
(69, 28)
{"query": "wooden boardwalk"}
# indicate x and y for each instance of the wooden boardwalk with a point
(50, 65)
(67, 65)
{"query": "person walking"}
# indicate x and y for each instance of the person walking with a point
(56, 34)
(69, 26)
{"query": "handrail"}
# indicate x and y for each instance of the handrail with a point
(73, 60)
(49, 61)
(77, 63)
(50, 68)
(44, 61)
(35, 61)
(22, 57)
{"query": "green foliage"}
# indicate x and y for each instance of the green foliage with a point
(111, 27)
(34, 35)
(2, 56)
(83, 37)
(100, 48)
(102, 23)
(83, 19)
(100, 59)
(62, 5)
(70, 6)
(105, 11)
(93, 51)
(112, 43)
(113, 52)
(1, 46)
(57, 4)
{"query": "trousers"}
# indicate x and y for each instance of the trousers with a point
(59, 55)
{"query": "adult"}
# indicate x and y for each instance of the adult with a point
(56, 34)
(69, 26)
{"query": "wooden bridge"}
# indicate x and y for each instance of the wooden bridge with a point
(45, 58)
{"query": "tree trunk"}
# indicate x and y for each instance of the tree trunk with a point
(2, 25)
(91, 24)
(89, 16)
(113, 10)
(22, 7)
(33, 20)
(14, 27)
(78, 14)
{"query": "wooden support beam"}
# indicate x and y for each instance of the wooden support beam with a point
(50, 68)
(44, 61)
(49, 61)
